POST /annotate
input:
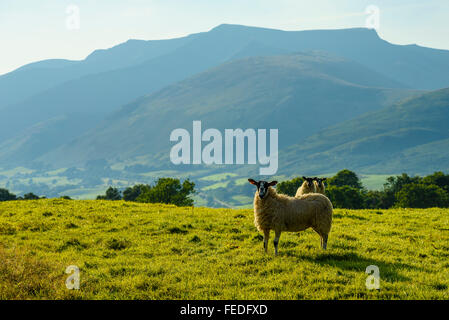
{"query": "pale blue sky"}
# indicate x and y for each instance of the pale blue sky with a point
(33, 30)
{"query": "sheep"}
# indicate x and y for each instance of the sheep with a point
(278, 212)
(319, 185)
(308, 186)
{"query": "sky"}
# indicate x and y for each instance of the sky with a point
(33, 30)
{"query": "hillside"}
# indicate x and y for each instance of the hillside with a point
(297, 93)
(91, 89)
(141, 251)
(37, 77)
(411, 136)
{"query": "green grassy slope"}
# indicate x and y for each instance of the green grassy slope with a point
(411, 136)
(140, 251)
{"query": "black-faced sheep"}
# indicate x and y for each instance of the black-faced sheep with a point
(319, 185)
(308, 186)
(278, 212)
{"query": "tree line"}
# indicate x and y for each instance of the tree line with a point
(165, 190)
(5, 195)
(345, 190)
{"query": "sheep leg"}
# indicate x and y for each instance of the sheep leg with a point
(266, 237)
(277, 235)
(324, 241)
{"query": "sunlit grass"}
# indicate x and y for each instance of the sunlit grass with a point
(143, 251)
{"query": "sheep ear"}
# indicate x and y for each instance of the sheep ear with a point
(252, 182)
(272, 183)
(304, 178)
(324, 179)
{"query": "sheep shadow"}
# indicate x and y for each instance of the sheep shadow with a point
(350, 261)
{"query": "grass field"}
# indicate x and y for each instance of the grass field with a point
(142, 251)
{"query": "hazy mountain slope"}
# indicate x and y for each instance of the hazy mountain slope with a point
(298, 94)
(102, 93)
(418, 67)
(36, 77)
(138, 68)
(410, 136)
(421, 159)
(44, 137)
(257, 49)
(173, 60)
(415, 66)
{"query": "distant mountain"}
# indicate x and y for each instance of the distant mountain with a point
(299, 94)
(107, 79)
(43, 137)
(86, 92)
(411, 136)
(36, 77)
(416, 67)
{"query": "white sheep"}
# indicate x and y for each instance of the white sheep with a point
(319, 185)
(308, 186)
(278, 212)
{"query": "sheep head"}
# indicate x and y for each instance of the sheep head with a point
(262, 186)
(320, 181)
(309, 181)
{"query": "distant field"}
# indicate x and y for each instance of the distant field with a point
(218, 177)
(374, 181)
(143, 251)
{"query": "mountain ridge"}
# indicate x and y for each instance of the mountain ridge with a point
(272, 86)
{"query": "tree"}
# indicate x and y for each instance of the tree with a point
(346, 178)
(345, 197)
(375, 199)
(289, 187)
(439, 179)
(30, 196)
(421, 196)
(169, 190)
(394, 185)
(5, 195)
(132, 193)
(111, 194)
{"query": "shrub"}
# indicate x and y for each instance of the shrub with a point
(421, 196)
(439, 179)
(345, 197)
(132, 193)
(346, 178)
(5, 195)
(374, 199)
(169, 191)
(289, 187)
(30, 196)
(111, 194)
